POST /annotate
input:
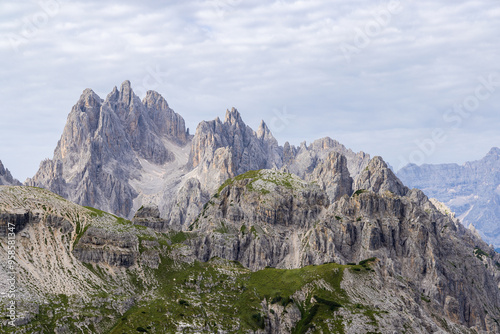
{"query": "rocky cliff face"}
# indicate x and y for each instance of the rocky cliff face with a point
(302, 160)
(108, 144)
(272, 218)
(332, 175)
(472, 190)
(256, 219)
(6, 178)
(221, 150)
(378, 178)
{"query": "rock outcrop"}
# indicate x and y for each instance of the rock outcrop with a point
(379, 178)
(6, 178)
(254, 219)
(149, 216)
(221, 150)
(471, 191)
(302, 160)
(119, 249)
(333, 176)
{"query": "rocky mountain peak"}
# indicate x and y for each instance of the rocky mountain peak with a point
(494, 151)
(233, 117)
(154, 99)
(379, 178)
(88, 101)
(126, 92)
(263, 131)
(6, 178)
(105, 144)
(224, 150)
(113, 95)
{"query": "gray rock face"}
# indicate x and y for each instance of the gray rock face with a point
(113, 248)
(149, 216)
(105, 145)
(272, 218)
(251, 219)
(304, 159)
(121, 153)
(472, 190)
(6, 178)
(187, 205)
(221, 150)
(379, 178)
(333, 176)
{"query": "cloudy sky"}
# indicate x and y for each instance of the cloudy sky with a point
(413, 81)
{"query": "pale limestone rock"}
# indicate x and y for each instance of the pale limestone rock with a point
(377, 177)
(103, 145)
(333, 176)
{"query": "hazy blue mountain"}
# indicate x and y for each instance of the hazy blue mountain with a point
(471, 190)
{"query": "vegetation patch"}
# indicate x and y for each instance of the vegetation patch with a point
(367, 261)
(80, 234)
(359, 192)
(95, 212)
(425, 298)
(222, 229)
(480, 254)
(275, 177)
(178, 237)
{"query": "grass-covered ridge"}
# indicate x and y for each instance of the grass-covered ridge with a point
(265, 180)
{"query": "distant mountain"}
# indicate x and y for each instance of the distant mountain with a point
(472, 190)
(6, 178)
(122, 154)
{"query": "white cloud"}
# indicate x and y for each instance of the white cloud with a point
(259, 56)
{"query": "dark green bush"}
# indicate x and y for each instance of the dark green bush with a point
(259, 320)
(364, 262)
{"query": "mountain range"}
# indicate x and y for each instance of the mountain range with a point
(121, 153)
(471, 191)
(136, 225)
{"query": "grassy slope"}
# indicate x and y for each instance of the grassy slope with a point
(222, 295)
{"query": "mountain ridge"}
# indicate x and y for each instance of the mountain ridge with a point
(471, 190)
(120, 154)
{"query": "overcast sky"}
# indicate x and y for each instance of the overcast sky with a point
(413, 81)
